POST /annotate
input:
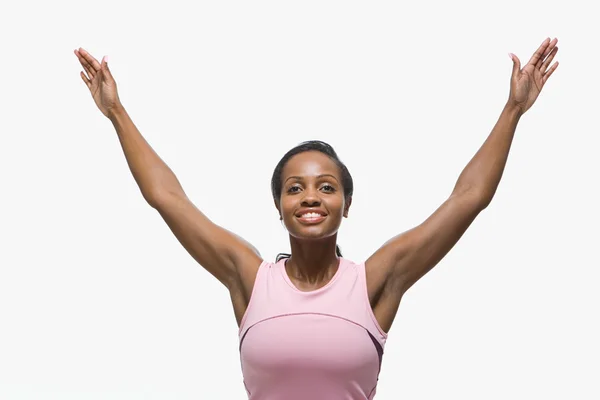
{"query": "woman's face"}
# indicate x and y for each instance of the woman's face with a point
(312, 197)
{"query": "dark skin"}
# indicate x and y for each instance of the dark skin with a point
(391, 270)
(311, 180)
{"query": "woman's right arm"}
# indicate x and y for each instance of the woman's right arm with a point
(222, 253)
(219, 251)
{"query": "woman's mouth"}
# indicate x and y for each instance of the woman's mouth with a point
(311, 218)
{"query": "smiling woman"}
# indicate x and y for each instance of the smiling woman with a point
(309, 308)
(334, 179)
(313, 325)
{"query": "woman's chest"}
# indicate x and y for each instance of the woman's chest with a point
(309, 343)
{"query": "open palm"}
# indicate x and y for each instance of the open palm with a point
(100, 81)
(527, 83)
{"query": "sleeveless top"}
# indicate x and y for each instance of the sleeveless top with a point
(321, 344)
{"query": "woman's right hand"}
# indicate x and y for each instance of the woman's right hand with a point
(100, 81)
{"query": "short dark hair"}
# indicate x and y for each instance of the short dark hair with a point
(311, 145)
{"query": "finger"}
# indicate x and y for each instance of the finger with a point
(86, 65)
(548, 60)
(85, 80)
(90, 71)
(539, 52)
(86, 59)
(105, 69)
(549, 73)
(91, 60)
(548, 50)
(516, 64)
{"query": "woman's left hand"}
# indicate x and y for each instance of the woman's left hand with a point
(527, 83)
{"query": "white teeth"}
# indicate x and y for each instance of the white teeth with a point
(311, 215)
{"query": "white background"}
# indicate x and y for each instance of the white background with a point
(98, 300)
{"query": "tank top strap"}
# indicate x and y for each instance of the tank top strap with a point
(257, 289)
(372, 324)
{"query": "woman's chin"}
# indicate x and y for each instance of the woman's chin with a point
(311, 233)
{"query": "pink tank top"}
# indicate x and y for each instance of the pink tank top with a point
(322, 344)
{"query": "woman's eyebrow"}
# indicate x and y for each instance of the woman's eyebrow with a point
(299, 178)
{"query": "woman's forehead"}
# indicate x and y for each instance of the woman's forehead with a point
(310, 163)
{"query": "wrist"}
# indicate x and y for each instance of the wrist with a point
(115, 114)
(514, 110)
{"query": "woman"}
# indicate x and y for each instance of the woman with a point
(314, 324)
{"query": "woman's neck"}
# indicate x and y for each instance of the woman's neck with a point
(312, 262)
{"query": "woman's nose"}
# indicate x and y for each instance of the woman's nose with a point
(311, 198)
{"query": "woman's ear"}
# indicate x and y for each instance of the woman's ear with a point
(278, 210)
(347, 204)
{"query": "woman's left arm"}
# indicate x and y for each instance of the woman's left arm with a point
(404, 259)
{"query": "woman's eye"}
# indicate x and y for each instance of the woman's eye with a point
(296, 189)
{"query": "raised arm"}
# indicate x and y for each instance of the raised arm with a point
(219, 251)
(404, 259)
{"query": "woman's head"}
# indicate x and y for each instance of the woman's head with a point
(311, 178)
